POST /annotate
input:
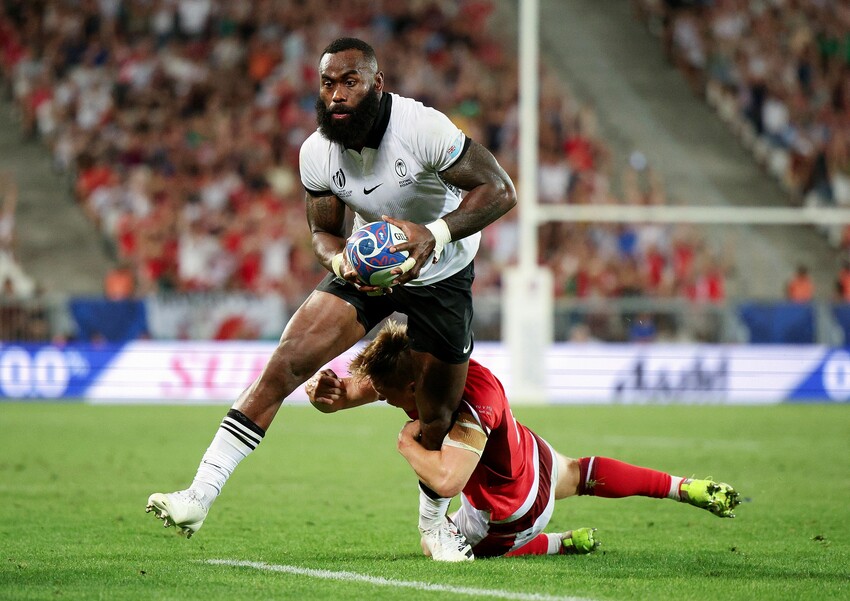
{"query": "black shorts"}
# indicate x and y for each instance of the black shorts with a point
(439, 316)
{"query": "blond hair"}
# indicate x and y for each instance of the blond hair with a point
(386, 359)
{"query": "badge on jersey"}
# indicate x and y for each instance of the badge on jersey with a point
(454, 150)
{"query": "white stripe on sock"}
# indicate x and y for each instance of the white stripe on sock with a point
(674, 488)
(589, 470)
(248, 433)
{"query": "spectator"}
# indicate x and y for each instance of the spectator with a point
(119, 283)
(842, 283)
(16, 283)
(181, 122)
(800, 288)
(778, 72)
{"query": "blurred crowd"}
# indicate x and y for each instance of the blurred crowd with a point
(179, 122)
(18, 321)
(778, 71)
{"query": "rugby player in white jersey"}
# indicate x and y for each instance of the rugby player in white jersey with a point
(379, 155)
(508, 476)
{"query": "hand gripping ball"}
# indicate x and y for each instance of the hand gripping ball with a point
(368, 251)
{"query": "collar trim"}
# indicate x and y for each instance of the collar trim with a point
(376, 134)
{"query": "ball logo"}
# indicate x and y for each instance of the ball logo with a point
(339, 179)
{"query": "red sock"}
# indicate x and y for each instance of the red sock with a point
(604, 477)
(539, 545)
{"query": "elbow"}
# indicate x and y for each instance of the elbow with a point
(448, 485)
(506, 193)
(511, 196)
(499, 193)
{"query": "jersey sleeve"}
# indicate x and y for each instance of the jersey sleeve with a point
(484, 396)
(314, 167)
(438, 141)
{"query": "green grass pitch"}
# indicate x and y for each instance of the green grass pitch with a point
(329, 493)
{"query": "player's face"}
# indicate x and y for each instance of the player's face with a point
(403, 397)
(349, 97)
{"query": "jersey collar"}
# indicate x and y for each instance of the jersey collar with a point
(376, 134)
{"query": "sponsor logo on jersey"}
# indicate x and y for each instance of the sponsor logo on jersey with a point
(370, 190)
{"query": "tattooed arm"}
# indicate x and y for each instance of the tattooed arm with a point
(326, 218)
(490, 194)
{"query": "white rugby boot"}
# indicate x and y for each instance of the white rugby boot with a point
(446, 543)
(182, 509)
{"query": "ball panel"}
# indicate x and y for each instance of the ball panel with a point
(368, 252)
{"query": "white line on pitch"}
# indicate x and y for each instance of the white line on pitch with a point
(378, 581)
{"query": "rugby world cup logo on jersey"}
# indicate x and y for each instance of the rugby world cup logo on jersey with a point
(338, 179)
(401, 172)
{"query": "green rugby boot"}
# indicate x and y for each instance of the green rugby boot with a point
(580, 541)
(717, 497)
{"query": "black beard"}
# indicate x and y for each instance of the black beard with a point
(350, 132)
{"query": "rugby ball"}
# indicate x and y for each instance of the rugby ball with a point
(368, 251)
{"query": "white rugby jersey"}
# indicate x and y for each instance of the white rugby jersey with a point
(396, 174)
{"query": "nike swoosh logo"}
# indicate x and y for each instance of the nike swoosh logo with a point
(370, 190)
(467, 347)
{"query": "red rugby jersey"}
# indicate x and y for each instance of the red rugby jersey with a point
(506, 474)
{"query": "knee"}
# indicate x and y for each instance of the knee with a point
(569, 474)
(292, 364)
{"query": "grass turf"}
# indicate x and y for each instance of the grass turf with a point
(329, 492)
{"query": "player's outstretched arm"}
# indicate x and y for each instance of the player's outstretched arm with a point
(329, 393)
(445, 471)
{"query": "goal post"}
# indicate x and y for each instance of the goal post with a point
(527, 293)
(528, 299)
(528, 314)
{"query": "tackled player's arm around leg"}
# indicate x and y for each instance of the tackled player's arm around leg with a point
(330, 393)
(446, 470)
(322, 328)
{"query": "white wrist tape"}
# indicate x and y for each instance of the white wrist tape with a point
(336, 265)
(442, 236)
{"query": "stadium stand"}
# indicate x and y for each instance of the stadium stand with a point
(776, 73)
(179, 153)
(179, 125)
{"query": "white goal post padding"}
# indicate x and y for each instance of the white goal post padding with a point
(527, 330)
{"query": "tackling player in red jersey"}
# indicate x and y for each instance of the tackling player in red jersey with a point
(508, 476)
